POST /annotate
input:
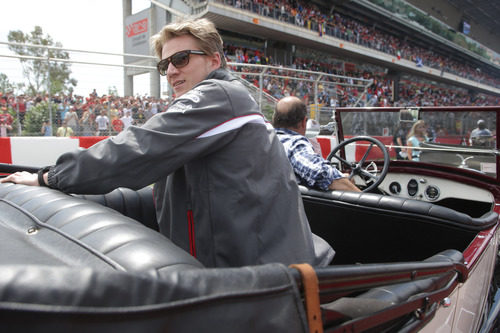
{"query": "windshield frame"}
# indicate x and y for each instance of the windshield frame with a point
(422, 111)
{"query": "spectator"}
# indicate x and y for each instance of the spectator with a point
(311, 170)
(46, 128)
(127, 120)
(64, 130)
(113, 112)
(212, 151)
(399, 138)
(5, 122)
(20, 106)
(86, 122)
(416, 136)
(481, 136)
(102, 122)
(71, 119)
(117, 126)
(149, 111)
(61, 111)
(138, 115)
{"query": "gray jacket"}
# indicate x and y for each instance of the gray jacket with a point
(224, 189)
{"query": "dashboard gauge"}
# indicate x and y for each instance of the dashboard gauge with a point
(395, 188)
(432, 192)
(412, 187)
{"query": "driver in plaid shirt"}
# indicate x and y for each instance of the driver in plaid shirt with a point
(311, 169)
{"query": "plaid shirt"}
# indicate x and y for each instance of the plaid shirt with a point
(310, 168)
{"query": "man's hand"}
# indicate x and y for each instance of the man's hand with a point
(350, 179)
(22, 177)
(344, 184)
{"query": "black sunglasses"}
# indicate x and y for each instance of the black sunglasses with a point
(179, 60)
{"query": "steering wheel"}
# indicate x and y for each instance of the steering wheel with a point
(369, 173)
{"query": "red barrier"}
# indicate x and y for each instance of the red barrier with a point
(375, 154)
(5, 151)
(326, 146)
(88, 141)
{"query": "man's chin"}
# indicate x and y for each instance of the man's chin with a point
(179, 93)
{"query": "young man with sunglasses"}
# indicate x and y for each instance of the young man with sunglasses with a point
(224, 189)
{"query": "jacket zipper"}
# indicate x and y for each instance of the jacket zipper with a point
(192, 245)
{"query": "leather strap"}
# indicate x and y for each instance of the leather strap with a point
(311, 296)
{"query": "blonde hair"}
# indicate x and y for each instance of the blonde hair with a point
(202, 30)
(412, 130)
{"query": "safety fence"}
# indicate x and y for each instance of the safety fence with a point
(267, 84)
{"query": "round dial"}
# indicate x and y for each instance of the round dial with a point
(432, 192)
(395, 188)
(412, 187)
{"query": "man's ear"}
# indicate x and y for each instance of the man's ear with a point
(301, 126)
(304, 123)
(216, 60)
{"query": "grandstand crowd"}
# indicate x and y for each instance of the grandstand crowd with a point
(308, 15)
(339, 90)
(83, 115)
(108, 114)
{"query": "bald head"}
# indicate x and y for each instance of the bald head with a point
(291, 113)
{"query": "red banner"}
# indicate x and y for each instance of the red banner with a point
(137, 28)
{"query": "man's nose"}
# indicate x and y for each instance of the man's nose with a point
(171, 69)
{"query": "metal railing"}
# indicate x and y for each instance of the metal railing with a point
(315, 87)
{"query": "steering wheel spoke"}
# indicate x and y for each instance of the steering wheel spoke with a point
(366, 174)
(369, 174)
(363, 159)
(341, 160)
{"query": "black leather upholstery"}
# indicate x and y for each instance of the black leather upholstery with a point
(50, 227)
(65, 299)
(398, 293)
(417, 208)
(71, 265)
(138, 205)
(380, 298)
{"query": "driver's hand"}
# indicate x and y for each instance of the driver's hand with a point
(22, 177)
(346, 175)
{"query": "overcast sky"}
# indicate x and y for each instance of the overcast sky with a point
(93, 25)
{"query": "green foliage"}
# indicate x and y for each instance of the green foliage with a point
(34, 118)
(460, 40)
(5, 84)
(42, 74)
(113, 91)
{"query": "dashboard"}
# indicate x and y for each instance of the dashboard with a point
(431, 189)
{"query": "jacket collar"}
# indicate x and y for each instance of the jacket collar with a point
(220, 74)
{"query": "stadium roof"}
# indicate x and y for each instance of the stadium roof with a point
(483, 12)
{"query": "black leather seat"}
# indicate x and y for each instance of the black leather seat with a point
(50, 227)
(71, 265)
(138, 205)
(417, 208)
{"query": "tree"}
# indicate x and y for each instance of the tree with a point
(42, 75)
(113, 91)
(5, 84)
(34, 119)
